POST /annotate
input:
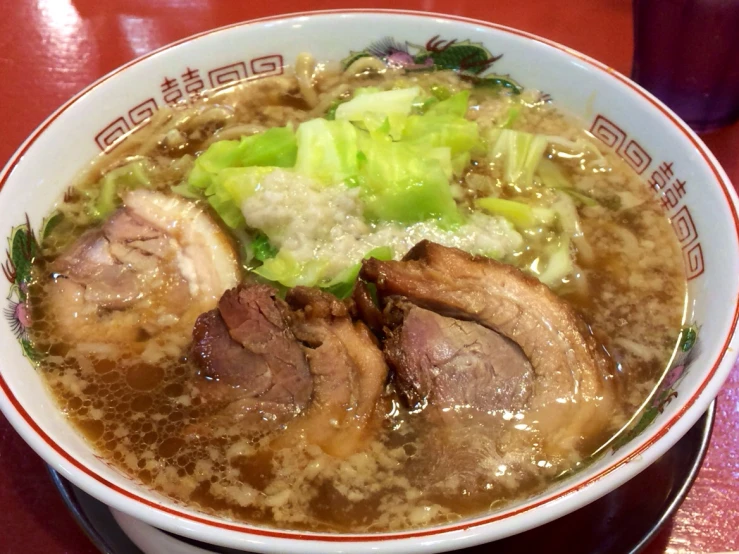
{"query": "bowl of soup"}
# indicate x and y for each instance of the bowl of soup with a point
(368, 280)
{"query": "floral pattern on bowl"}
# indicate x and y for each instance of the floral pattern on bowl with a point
(23, 248)
(18, 269)
(470, 58)
(667, 388)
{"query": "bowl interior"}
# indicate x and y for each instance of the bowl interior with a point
(686, 180)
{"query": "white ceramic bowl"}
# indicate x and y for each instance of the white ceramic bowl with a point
(687, 180)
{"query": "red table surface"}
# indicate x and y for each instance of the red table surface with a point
(50, 49)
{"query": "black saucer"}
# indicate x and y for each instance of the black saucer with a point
(622, 522)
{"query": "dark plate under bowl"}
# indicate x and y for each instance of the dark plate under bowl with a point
(624, 521)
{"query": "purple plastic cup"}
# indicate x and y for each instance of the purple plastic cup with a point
(686, 52)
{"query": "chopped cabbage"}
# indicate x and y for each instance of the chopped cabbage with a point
(455, 105)
(406, 184)
(284, 269)
(131, 176)
(327, 150)
(511, 117)
(444, 124)
(377, 111)
(276, 147)
(440, 92)
(387, 102)
(551, 176)
(230, 187)
(342, 285)
(520, 154)
(522, 215)
(457, 133)
(559, 264)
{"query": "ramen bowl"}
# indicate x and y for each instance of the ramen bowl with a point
(687, 182)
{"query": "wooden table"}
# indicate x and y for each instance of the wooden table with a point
(50, 49)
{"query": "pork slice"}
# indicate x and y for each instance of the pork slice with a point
(258, 321)
(251, 365)
(223, 360)
(92, 264)
(572, 394)
(349, 374)
(365, 309)
(144, 271)
(450, 363)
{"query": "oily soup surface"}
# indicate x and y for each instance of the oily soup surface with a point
(134, 400)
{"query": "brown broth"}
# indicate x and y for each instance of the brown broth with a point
(631, 291)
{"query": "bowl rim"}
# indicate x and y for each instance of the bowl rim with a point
(53, 453)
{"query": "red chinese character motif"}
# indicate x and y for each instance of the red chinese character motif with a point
(193, 83)
(669, 200)
(661, 176)
(657, 181)
(171, 91)
(666, 169)
(682, 223)
(670, 188)
(110, 137)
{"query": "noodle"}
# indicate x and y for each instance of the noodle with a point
(363, 65)
(305, 67)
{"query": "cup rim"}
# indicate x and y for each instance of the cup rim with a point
(126, 500)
